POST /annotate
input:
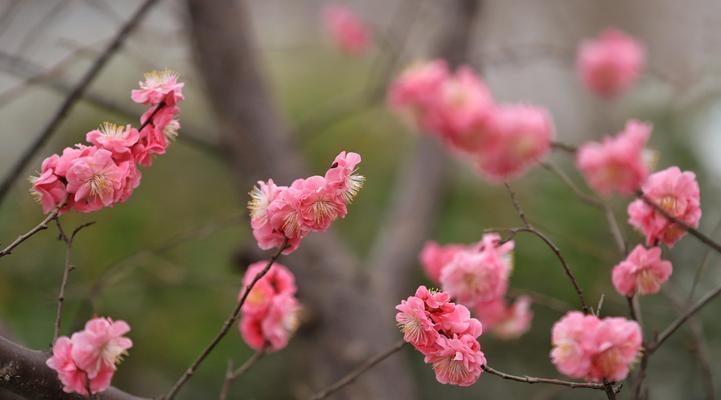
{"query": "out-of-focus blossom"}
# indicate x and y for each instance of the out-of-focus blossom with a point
(347, 30)
(643, 271)
(434, 257)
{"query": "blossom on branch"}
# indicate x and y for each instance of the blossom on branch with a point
(89, 358)
(89, 178)
(643, 272)
(285, 214)
(675, 192)
(590, 348)
(610, 63)
(445, 334)
(270, 314)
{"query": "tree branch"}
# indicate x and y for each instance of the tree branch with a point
(73, 97)
(551, 381)
(232, 374)
(43, 225)
(224, 329)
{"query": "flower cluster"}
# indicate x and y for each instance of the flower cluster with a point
(445, 334)
(643, 272)
(89, 358)
(270, 313)
(618, 164)
(477, 276)
(502, 140)
(285, 214)
(610, 63)
(348, 32)
(675, 192)
(88, 178)
(587, 347)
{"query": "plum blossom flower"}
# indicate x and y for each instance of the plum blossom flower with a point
(643, 271)
(520, 135)
(415, 90)
(678, 194)
(74, 379)
(617, 164)
(159, 86)
(481, 275)
(282, 214)
(572, 344)
(616, 344)
(434, 257)
(416, 324)
(458, 361)
(347, 30)
(47, 189)
(101, 344)
(516, 319)
(610, 63)
(94, 179)
(271, 311)
(117, 139)
(587, 347)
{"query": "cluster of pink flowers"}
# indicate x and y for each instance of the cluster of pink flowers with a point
(271, 312)
(285, 214)
(502, 140)
(89, 358)
(347, 30)
(88, 178)
(445, 334)
(643, 271)
(587, 347)
(675, 192)
(610, 63)
(618, 164)
(477, 276)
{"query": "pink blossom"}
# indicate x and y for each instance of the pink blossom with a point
(520, 135)
(73, 378)
(251, 330)
(617, 164)
(456, 320)
(475, 276)
(616, 344)
(415, 323)
(285, 217)
(95, 179)
(320, 203)
(348, 31)
(610, 63)
(48, 189)
(117, 139)
(460, 111)
(159, 86)
(458, 361)
(342, 176)
(278, 280)
(101, 345)
(130, 183)
(434, 257)
(491, 312)
(261, 197)
(415, 90)
(69, 155)
(573, 344)
(643, 271)
(435, 300)
(281, 321)
(678, 194)
(516, 320)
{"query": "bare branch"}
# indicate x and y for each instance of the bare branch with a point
(39, 227)
(224, 329)
(551, 381)
(232, 374)
(73, 97)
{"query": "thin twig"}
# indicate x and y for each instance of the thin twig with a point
(663, 336)
(73, 97)
(66, 272)
(225, 328)
(353, 375)
(551, 381)
(231, 375)
(700, 236)
(564, 147)
(702, 267)
(39, 227)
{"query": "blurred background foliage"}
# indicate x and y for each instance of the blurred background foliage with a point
(176, 298)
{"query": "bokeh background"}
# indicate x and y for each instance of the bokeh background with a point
(177, 249)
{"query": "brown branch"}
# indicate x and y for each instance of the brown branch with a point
(66, 272)
(73, 97)
(224, 329)
(567, 148)
(231, 375)
(353, 375)
(694, 232)
(551, 381)
(24, 373)
(39, 227)
(530, 229)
